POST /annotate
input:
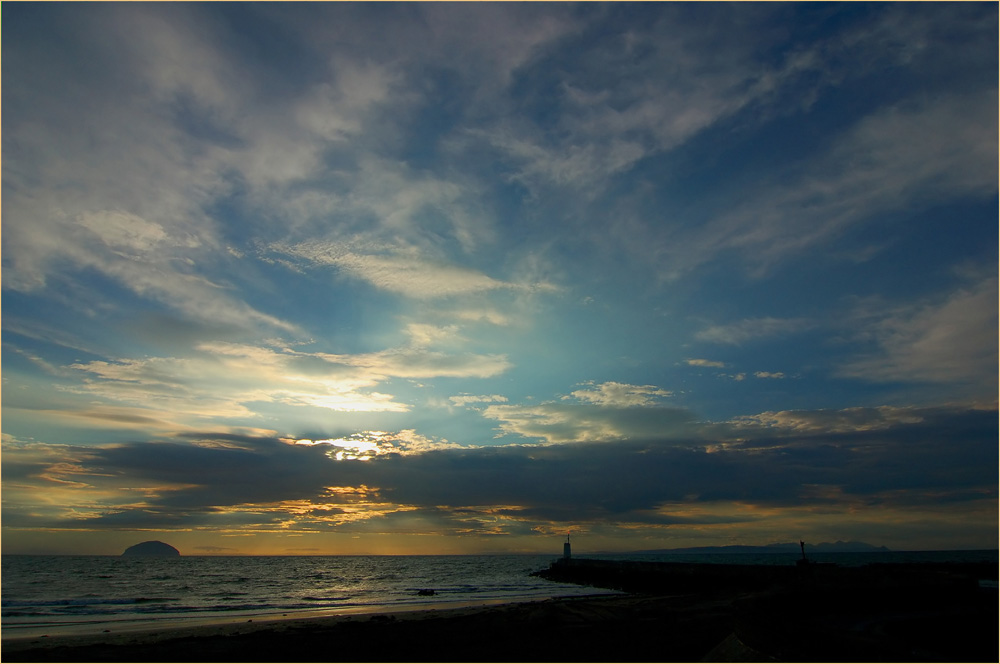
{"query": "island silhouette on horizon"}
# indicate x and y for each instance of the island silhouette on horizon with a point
(151, 548)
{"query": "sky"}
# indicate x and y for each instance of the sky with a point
(416, 278)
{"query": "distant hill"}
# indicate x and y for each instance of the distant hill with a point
(783, 547)
(152, 548)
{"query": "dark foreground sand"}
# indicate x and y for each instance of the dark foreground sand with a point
(879, 616)
(610, 628)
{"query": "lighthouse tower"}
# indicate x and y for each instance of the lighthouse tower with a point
(566, 554)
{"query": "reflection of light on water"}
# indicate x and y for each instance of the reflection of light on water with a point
(212, 589)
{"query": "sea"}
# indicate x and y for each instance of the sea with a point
(60, 595)
(63, 595)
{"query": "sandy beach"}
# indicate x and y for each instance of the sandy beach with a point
(608, 628)
(890, 614)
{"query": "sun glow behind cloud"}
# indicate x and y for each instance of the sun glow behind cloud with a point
(367, 445)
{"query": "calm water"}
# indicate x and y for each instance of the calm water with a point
(58, 594)
(63, 594)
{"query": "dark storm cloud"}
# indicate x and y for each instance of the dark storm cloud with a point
(938, 447)
(936, 454)
(263, 470)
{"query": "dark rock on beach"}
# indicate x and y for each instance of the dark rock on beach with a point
(151, 548)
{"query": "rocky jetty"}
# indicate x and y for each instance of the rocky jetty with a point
(151, 548)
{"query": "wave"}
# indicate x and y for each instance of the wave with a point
(71, 590)
(87, 601)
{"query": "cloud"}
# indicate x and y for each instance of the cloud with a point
(647, 89)
(107, 175)
(769, 374)
(142, 256)
(423, 335)
(144, 205)
(405, 274)
(367, 445)
(848, 420)
(467, 399)
(491, 316)
(895, 158)
(568, 422)
(419, 363)
(99, 416)
(705, 363)
(336, 111)
(621, 395)
(951, 339)
(225, 380)
(871, 466)
(122, 230)
(749, 329)
(649, 86)
(610, 411)
(417, 278)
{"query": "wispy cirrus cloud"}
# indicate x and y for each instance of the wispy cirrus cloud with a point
(420, 363)
(411, 276)
(750, 329)
(225, 380)
(895, 157)
(141, 180)
(700, 362)
(403, 272)
(634, 97)
(141, 209)
(570, 422)
(835, 421)
(609, 411)
(492, 316)
(468, 399)
(950, 339)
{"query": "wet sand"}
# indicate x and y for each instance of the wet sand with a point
(882, 613)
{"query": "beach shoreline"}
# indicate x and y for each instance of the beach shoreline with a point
(441, 633)
(159, 629)
(167, 623)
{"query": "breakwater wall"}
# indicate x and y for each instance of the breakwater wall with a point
(702, 578)
(667, 578)
(809, 612)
